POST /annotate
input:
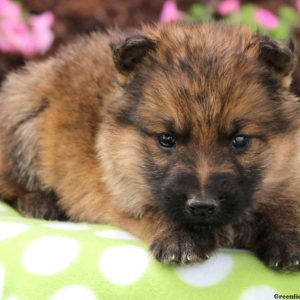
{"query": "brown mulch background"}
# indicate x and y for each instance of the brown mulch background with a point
(73, 17)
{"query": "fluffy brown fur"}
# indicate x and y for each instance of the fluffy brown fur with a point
(185, 135)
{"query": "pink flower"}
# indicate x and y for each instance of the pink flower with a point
(13, 36)
(41, 36)
(10, 10)
(298, 5)
(170, 12)
(227, 7)
(28, 37)
(266, 18)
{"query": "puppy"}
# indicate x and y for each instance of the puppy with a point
(185, 135)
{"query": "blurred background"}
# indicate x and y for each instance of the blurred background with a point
(34, 29)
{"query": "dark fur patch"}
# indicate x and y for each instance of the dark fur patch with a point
(185, 67)
(34, 114)
(130, 51)
(280, 57)
(40, 204)
(21, 166)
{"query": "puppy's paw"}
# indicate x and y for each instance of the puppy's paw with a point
(182, 247)
(281, 252)
(40, 205)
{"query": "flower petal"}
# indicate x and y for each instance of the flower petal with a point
(170, 12)
(227, 7)
(266, 18)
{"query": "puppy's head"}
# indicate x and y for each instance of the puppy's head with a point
(192, 128)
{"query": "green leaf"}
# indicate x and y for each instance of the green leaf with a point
(244, 16)
(200, 12)
(282, 32)
(289, 15)
(248, 12)
(247, 16)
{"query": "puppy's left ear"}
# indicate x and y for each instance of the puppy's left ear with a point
(128, 53)
(280, 57)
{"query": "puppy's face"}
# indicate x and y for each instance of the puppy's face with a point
(196, 122)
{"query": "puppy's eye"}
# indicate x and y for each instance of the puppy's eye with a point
(167, 140)
(240, 142)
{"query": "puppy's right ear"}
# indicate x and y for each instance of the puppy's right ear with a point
(128, 53)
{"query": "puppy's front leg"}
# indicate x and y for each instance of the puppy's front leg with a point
(169, 243)
(39, 204)
(278, 238)
(182, 246)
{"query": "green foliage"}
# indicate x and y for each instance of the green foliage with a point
(287, 16)
(244, 16)
(199, 12)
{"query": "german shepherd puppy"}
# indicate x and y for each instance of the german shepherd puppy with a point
(186, 135)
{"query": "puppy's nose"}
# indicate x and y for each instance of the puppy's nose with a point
(202, 208)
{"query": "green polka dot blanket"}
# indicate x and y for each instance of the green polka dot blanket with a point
(68, 261)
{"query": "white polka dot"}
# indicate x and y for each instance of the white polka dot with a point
(124, 265)
(11, 229)
(3, 208)
(116, 234)
(74, 292)
(262, 292)
(66, 226)
(2, 275)
(207, 273)
(50, 255)
(12, 298)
